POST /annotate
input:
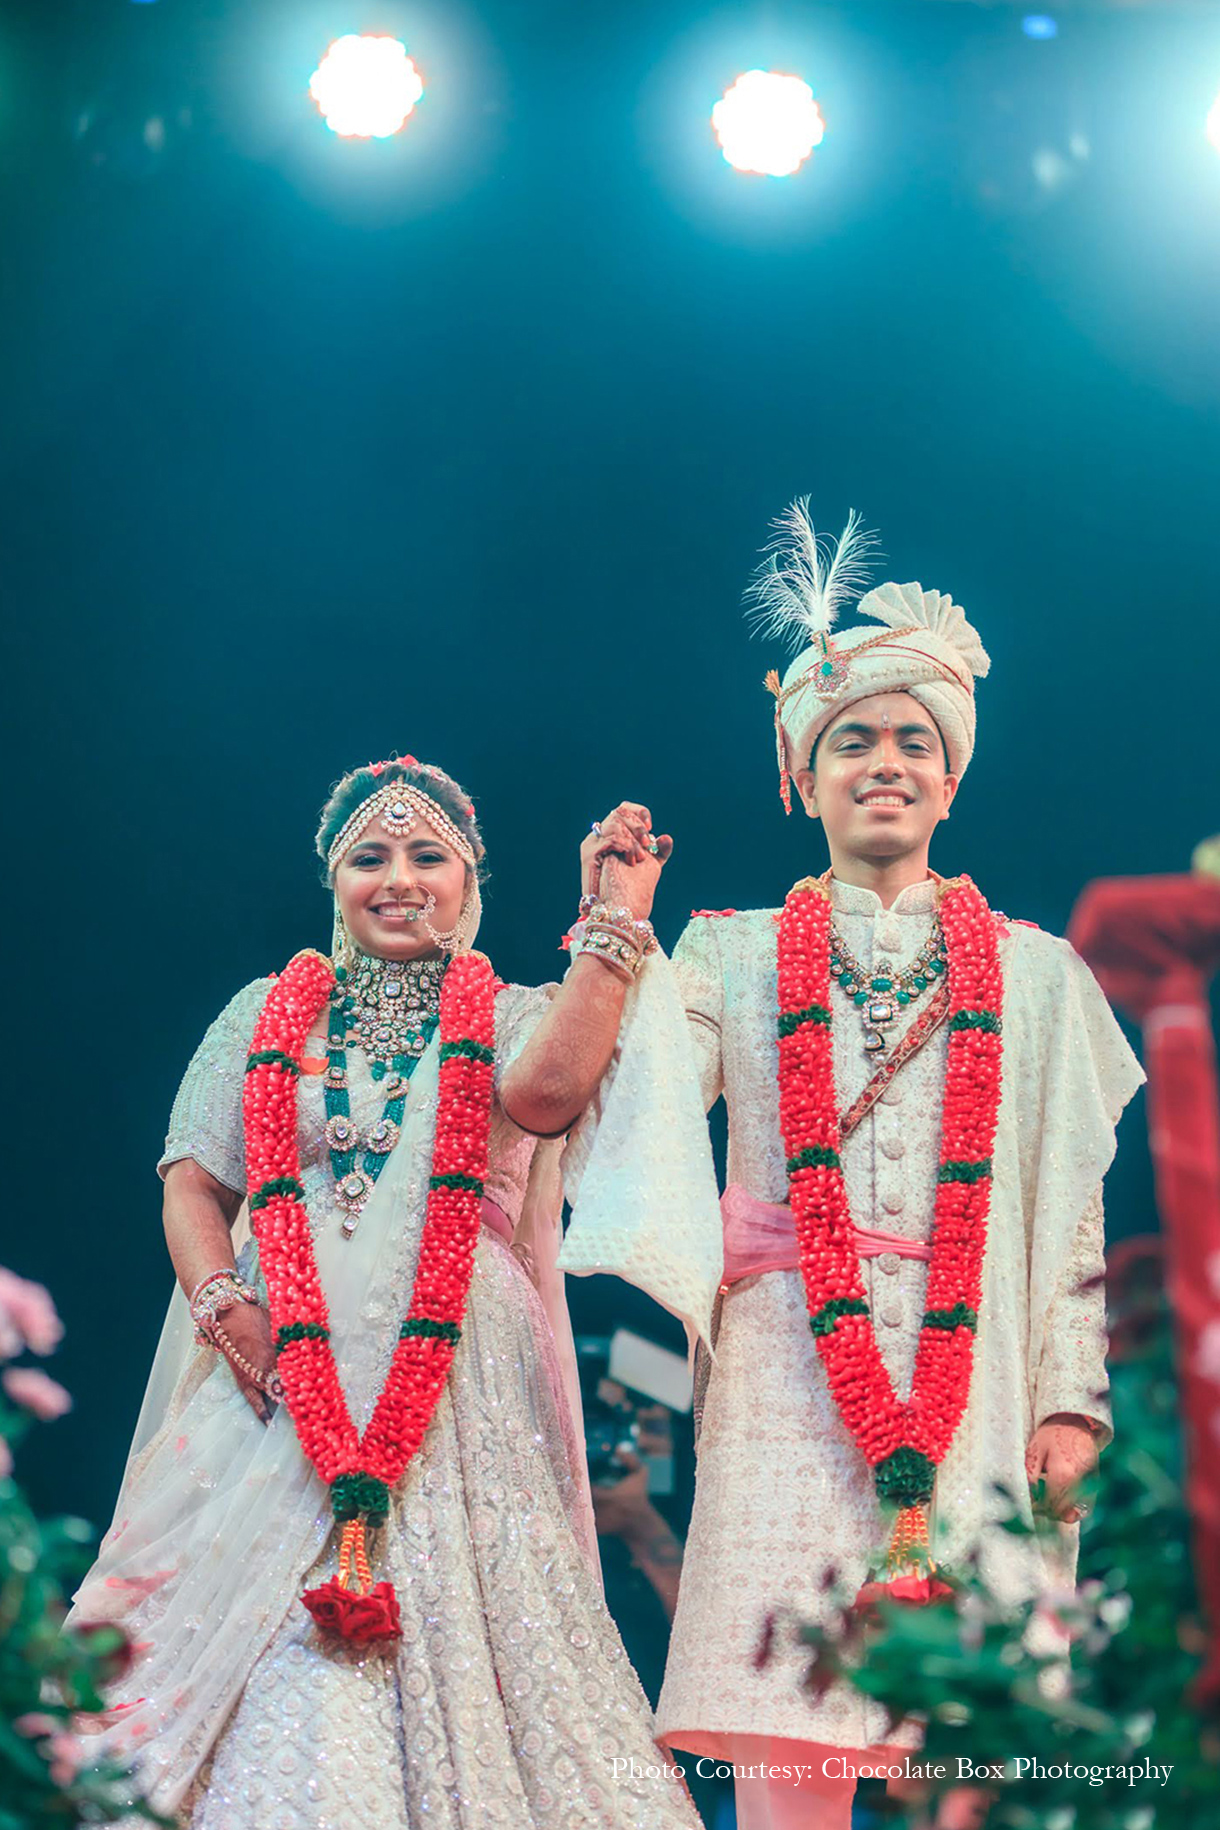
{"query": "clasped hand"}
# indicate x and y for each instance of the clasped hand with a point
(617, 861)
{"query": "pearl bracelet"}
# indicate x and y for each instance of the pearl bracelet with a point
(266, 1382)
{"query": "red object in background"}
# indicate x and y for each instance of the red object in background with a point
(1154, 943)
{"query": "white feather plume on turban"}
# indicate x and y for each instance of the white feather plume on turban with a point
(926, 647)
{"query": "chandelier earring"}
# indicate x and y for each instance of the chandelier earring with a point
(341, 950)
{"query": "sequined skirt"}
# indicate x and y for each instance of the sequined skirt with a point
(509, 1700)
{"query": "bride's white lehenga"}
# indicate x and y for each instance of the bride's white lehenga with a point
(509, 1699)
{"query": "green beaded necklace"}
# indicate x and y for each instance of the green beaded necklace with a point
(881, 997)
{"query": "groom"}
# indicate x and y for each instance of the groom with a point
(921, 1102)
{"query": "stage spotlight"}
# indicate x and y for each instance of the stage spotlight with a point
(366, 86)
(1213, 124)
(768, 123)
(1040, 25)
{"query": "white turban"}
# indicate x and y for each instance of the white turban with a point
(926, 648)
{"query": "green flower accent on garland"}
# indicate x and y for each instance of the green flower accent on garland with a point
(354, 1495)
(965, 1172)
(273, 1057)
(824, 1321)
(278, 1185)
(977, 1019)
(960, 1316)
(790, 1020)
(473, 1051)
(300, 1331)
(416, 1325)
(471, 1184)
(905, 1478)
(814, 1156)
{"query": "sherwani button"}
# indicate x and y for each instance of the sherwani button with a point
(893, 1147)
(888, 1262)
(891, 1316)
(894, 1201)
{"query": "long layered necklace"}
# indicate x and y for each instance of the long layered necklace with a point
(390, 1011)
(361, 1470)
(903, 1443)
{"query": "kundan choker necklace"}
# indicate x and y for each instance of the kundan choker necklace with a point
(390, 1010)
(903, 1442)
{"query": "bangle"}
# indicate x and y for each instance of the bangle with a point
(616, 949)
(625, 921)
(212, 1296)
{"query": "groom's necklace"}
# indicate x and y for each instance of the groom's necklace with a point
(390, 1010)
(881, 997)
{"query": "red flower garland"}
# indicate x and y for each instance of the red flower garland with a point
(361, 1470)
(903, 1443)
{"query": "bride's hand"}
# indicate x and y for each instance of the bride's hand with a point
(625, 835)
(248, 1327)
(633, 886)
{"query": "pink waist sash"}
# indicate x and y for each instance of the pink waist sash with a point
(496, 1220)
(760, 1237)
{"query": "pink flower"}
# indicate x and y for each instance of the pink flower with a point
(67, 1758)
(27, 1315)
(33, 1726)
(32, 1389)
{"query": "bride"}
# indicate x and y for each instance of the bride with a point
(353, 1546)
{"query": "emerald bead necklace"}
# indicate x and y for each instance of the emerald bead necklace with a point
(881, 997)
(390, 1010)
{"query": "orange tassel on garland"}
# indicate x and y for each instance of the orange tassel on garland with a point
(363, 1614)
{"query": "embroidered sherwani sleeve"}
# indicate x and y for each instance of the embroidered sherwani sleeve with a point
(696, 961)
(1073, 1074)
(1071, 1372)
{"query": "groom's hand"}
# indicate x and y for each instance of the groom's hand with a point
(621, 859)
(1061, 1453)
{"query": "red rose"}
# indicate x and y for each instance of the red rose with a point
(359, 1618)
(915, 1591)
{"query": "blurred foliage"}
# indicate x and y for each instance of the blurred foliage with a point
(1126, 1694)
(49, 1774)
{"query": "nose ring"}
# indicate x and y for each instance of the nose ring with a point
(429, 908)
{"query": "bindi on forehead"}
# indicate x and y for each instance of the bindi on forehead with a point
(863, 727)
